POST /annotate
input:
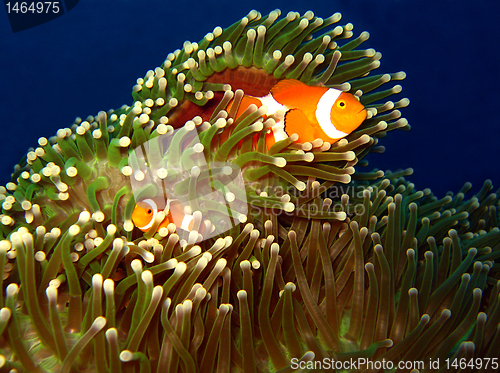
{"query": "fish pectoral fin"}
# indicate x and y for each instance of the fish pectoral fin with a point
(297, 122)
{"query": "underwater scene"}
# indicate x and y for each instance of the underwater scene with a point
(279, 186)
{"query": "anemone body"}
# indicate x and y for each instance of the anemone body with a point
(330, 263)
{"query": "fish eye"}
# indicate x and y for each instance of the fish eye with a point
(144, 214)
(341, 104)
(151, 207)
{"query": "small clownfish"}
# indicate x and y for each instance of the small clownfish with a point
(310, 111)
(145, 212)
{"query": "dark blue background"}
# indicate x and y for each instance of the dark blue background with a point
(88, 60)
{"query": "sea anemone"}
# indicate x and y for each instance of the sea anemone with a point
(328, 263)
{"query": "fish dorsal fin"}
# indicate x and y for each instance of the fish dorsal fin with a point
(285, 85)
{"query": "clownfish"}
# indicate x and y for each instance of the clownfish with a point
(145, 212)
(311, 112)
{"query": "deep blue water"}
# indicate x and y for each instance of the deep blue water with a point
(88, 60)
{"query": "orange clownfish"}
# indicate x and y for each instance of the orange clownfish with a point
(145, 212)
(311, 112)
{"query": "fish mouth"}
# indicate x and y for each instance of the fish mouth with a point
(363, 112)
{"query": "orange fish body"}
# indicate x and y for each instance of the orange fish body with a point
(145, 212)
(311, 112)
